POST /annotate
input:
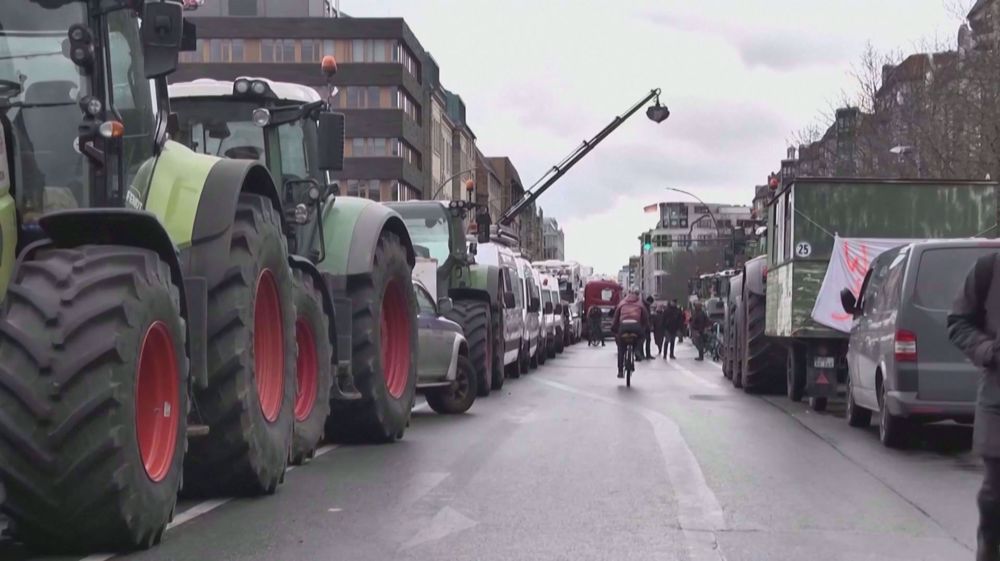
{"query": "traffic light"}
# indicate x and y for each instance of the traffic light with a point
(647, 242)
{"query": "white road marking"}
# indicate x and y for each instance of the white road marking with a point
(334, 509)
(421, 407)
(447, 521)
(421, 484)
(206, 507)
(699, 514)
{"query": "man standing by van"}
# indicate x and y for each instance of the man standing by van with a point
(973, 325)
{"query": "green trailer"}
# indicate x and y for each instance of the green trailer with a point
(806, 215)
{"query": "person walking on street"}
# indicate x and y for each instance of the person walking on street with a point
(660, 330)
(699, 324)
(973, 326)
(647, 348)
(673, 320)
(630, 317)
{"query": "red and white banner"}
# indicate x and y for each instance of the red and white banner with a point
(848, 266)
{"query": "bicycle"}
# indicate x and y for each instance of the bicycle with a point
(630, 341)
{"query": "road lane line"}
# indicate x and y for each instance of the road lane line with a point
(699, 513)
(422, 407)
(694, 377)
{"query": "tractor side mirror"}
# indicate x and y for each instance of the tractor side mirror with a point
(849, 302)
(331, 141)
(162, 37)
(548, 308)
(445, 306)
(508, 300)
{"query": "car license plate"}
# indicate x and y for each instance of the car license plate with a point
(824, 362)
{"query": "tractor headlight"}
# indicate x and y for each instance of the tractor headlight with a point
(241, 87)
(261, 117)
(259, 88)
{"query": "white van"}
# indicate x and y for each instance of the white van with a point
(532, 313)
(513, 312)
(550, 319)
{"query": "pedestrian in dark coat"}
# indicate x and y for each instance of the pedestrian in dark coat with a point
(673, 322)
(647, 348)
(973, 325)
(659, 329)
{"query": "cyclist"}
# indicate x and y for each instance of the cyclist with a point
(630, 317)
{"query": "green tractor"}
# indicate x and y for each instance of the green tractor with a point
(351, 257)
(147, 302)
(447, 267)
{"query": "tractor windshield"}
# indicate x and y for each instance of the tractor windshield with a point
(42, 88)
(428, 225)
(220, 128)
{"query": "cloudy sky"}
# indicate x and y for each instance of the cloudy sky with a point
(539, 76)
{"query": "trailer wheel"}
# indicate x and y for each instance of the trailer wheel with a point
(248, 404)
(384, 360)
(93, 399)
(475, 318)
(313, 369)
(761, 359)
(459, 397)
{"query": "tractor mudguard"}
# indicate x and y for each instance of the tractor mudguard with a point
(136, 228)
(352, 227)
(481, 283)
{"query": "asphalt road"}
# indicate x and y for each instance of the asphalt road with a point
(567, 463)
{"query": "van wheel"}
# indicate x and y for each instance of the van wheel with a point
(458, 397)
(892, 430)
(857, 416)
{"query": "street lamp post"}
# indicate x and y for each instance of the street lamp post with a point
(703, 203)
(447, 181)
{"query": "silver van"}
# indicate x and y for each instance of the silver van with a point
(900, 361)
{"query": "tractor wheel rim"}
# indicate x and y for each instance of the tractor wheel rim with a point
(268, 346)
(306, 371)
(395, 337)
(157, 398)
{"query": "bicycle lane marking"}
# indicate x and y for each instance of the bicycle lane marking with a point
(699, 515)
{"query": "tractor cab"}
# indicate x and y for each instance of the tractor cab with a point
(284, 126)
(83, 99)
(437, 230)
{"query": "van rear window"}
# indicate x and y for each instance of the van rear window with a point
(942, 273)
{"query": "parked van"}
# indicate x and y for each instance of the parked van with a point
(549, 314)
(900, 361)
(551, 288)
(541, 353)
(512, 300)
(532, 313)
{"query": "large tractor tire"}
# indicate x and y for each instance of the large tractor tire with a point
(475, 318)
(384, 359)
(313, 369)
(93, 399)
(459, 396)
(761, 366)
(248, 404)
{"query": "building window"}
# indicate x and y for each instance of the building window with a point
(267, 50)
(310, 50)
(358, 50)
(373, 97)
(378, 48)
(237, 51)
(243, 7)
(288, 50)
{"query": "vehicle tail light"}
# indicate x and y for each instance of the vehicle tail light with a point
(906, 346)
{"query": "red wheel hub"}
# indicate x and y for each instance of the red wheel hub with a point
(268, 346)
(395, 339)
(157, 399)
(306, 371)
